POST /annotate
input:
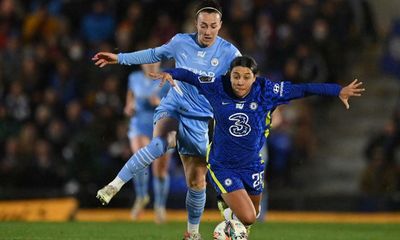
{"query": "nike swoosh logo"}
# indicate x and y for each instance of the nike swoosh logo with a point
(225, 103)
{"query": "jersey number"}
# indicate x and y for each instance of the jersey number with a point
(258, 179)
(241, 127)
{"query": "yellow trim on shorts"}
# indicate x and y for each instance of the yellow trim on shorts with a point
(221, 188)
(208, 151)
(262, 159)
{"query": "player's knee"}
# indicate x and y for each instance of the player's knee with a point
(248, 218)
(197, 183)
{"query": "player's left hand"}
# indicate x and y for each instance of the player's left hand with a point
(163, 76)
(352, 90)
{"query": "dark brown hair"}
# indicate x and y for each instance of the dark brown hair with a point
(244, 61)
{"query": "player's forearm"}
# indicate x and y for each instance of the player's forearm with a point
(138, 57)
(308, 89)
(183, 75)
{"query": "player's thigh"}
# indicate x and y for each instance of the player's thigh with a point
(160, 165)
(195, 168)
(241, 205)
(164, 126)
(166, 122)
(256, 199)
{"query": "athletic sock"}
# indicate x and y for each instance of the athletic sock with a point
(143, 158)
(195, 202)
(161, 190)
(141, 183)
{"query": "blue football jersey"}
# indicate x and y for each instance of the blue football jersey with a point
(240, 123)
(207, 61)
(143, 88)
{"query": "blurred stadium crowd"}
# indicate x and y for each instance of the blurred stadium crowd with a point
(62, 128)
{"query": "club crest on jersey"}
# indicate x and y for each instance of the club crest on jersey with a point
(253, 106)
(228, 182)
(214, 62)
(206, 79)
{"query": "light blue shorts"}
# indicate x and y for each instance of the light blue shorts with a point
(140, 126)
(192, 134)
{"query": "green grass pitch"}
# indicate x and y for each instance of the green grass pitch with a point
(174, 231)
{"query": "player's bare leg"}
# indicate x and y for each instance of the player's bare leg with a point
(195, 168)
(242, 205)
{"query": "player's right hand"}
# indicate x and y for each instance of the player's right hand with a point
(102, 59)
(354, 89)
(163, 76)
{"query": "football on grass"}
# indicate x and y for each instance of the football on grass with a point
(230, 230)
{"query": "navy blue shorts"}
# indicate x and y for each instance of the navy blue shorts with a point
(228, 180)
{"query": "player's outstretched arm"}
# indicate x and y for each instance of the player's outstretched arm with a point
(354, 89)
(163, 76)
(102, 59)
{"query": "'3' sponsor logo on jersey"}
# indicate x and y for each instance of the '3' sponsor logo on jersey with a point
(241, 127)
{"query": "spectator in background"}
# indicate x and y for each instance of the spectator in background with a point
(164, 28)
(10, 162)
(76, 118)
(56, 133)
(391, 58)
(312, 67)
(11, 15)
(386, 142)
(11, 58)
(42, 117)
(17, 102)
(380, 178)
(64, 82)
(40, 26)
(27, 136)
(48, 168)
(99, 25)
(280, 150)
(131, 28)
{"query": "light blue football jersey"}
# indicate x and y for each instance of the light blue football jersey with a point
(143, 88)
(207, 61)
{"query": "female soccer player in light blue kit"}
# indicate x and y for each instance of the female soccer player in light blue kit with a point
(182, 117)
(143, 96)
(241, 104)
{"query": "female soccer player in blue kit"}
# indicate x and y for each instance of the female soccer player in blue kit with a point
(142, 97)
(183, 115)
(241, 103)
